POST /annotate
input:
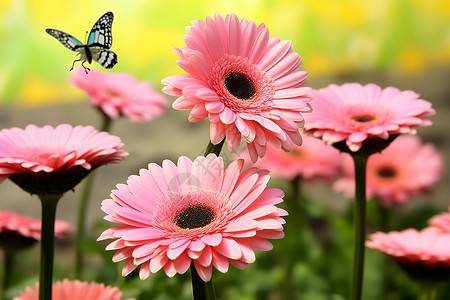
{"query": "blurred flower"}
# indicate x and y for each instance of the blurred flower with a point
(424, 255)
(18, 232)
(441, 222)
(244, 82)
(75, 290)
(29, 227)
(119, 94)
(312, 160)
(406, 168)
(194, 211)
(52, 160)
(354, 113)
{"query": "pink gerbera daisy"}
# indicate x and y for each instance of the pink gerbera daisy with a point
(245, 83)
(52, 160)
(406, 168)
(118, 94)
(313, 160)
(20, 232)
(195, 211)
(353, 113)
(75, 290)
(11, 222)
(425, 255)
(441, 222)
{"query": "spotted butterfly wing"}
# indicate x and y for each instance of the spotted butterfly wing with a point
(66, 39)
(98, 44)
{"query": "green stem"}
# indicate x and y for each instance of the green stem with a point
(214, 148)
(8, 261)
(81, 222)
(201, 290)
(82, 209)
(106, 122)
(427, 291)
(359, 220)
(48, 204)
(293, 249)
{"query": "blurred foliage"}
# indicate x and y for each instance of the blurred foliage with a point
(332, 37)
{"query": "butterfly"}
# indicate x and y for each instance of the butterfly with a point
(98, 43)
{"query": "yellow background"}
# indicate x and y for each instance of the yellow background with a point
(333, 37)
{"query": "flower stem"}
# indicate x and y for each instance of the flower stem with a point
(214, 148)
(359, 220)
(295, 228)
(82, 209)
(201, 290)
(81, 221)
(48, 204)
(8, 261)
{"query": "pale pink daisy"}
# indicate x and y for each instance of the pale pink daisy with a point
(357, 114)
(14, 224)
(120, 94)
(52, 160)
(243, 81)
(404, 169)
(441, 222)
(75, 290)
(312, 160)
(195, 211)
(423, 254)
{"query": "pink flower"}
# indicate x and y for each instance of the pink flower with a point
(354, 113)
(195, 211)
(404, 169)
(243, 81)
(52, 160)
(441, 222)
(312, 160)
(12, 223)
(119, 94)
(423, 254)
(75, 290)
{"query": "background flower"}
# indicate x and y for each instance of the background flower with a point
(75, 290)
(424, 255)
(119, 94)
(441, 222)
(355, 113)
(243, 81)
(19, 232)
(404, 169)
(195, 211)
(54, 159)
(312, 160)
(29, 227)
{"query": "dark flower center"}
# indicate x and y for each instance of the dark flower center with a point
(363, 118)
(240, 85)
(387, 172)
(194, 217)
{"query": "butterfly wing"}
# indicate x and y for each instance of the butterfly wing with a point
(100, 36)
(66, 39)
(107, 59)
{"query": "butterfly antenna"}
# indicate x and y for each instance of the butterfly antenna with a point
(85, 37)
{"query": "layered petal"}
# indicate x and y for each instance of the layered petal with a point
(355, 113)
(198, 211)
(243, 81)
